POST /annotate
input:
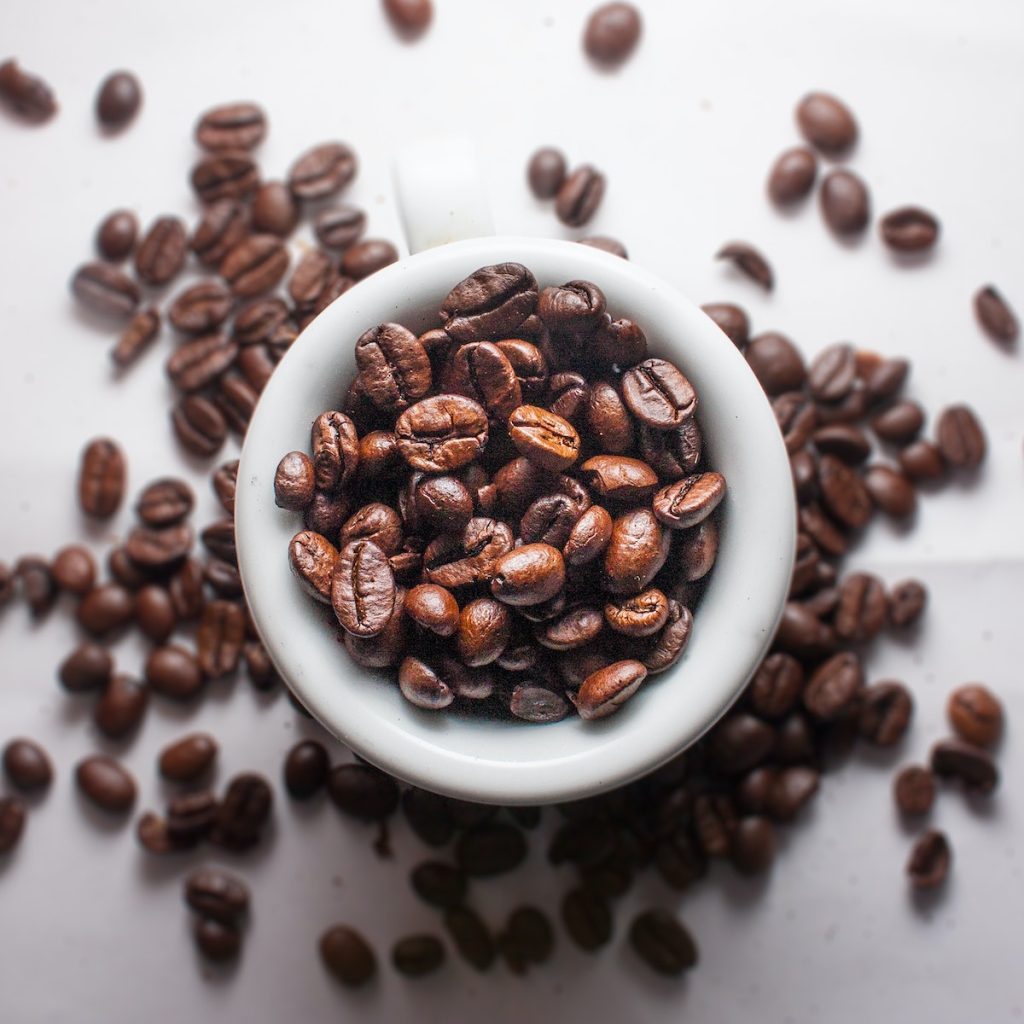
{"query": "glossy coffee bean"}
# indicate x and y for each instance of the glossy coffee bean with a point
(106, 608)
(12, 809)
(172, 671)
(101, 479)
(970, 765)
(579, 196)
(637, 550)
(88, 667)
(471, 937)
(604, 692)
(441, 433)
(362, 792)
(105, 289)
(731, 320)
(776, 363)
(612, 32)
(885, 713)
(528, 575)
(305, 769)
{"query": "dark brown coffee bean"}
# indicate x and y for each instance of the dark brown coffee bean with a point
(348, 957)
(322, 171)
(612, 32)
(846, 442)
(340, 226)
(909, 229)
(312, 276)
(26, 95)
(490, 849)
(749, 261)
(186, 590)
(791, 790)
(200, 308)
(579, 196)
(672, 453)
(12, 809)
(891, 491)
(922, 460)
(589, 537)
(116, 235)
(995, 315)
(122, 706)
(827, 123)
(914, 790)
(731, 320)
(482, 372)
(225, 174)
(492, 302)
(243, 813)
(136, 337)
(528, 938)
(188, 758)
(537, 704)
(362, 791)
(429, 816)
(662, 942)
(471, 937)
(587, 918)
(374, 522)
(362, 588)
(960, 437)
(618, 343)
(753, 845)
(223, 578)
(106, 783)
(797, 417)
(27, 765)
(217, 894)
(669, 644)
(863, 607)
(174, 672)
(305, 769)
(106, 608)
(885, 713)
(198, 363)
(199, 425)
(394, 367)
(485, 628)
(421, 685)
(687, 502)
(545, 172)
(335, 446)
(439, 884)
(610, 423)
(165, 502)
(118, 100)
(528, 575)
(975, 714)
(900, 423)
(636, 552)
(294, 482)
(843, 492)
(603, 692)
(74, 569)
(87, 667)
(929, 860)
(157, 550)
(845, 203)
(547, 440)
(658, 394)
(161, 253)
(101, 478)
(792, 175)
(417, 955)
(441, 433)
(573, 306)
(834, 686)
(219, 638)
(367, 257)
(231, 126)
(831, 374)
(641, 615)
(224, 224)
(433, 608)
(882, 378)
(255, 265)
(776, 363)
(619, 478)
(971, 765)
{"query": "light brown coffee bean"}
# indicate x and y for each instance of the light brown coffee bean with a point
(606, 690)
(547, 440)
(363, 589)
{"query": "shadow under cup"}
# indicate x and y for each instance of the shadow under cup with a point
(508, 761)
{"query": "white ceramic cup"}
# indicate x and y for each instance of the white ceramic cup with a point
(498, 761)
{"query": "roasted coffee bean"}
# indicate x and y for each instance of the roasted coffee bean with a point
(490, 849)
(843, 492)
(587, 918)
(433, 608)
(885, 712)
(87, 667)
(200, 308)
(417, 955)
(255, 265)
(579, 196)
(27, 765)
(199, 425)
(792, 175)
(219, 539)
(609, 422)
(797, 417)
(421, 685)
(174, 672)
(863, 607)
(929, 860)
(225, 174)
(975, 714)
(322, 171)
(640, 615)
(311, 278)
(305, 769)
(294, 482)
(834, 686)
(689, 501)
(101, 478)
(971, 765)
(122, 706)
(262, 673)
(223, 225)
(198, 363)
(914, 790)
(845, 203)
(481, 371)
(116, 235)
(827, 123)
(165, 502)
(582, 625)
(537, 704)
(573, 306)
(900, 423)
(658, 394)
(186, 590)
(739, 742)
(995, 315)
(909, 229)
(612, 33)
(374, 522)
(346, 954)
(157, 550)
(394, 367)
(217, 894)
(731, 320)
(118, 100)
(667, 647)
(609, 245)
(441, 433)
(12, 809)
(367, 257)
(74, 569)
(219, 638)
(188, 758)
(231, 126)
(340, 226)
(527, 939)
(960, 437)
(429, 816)
(662, 942)
(106, 783)
(619, 343)
(335, 444)
(636, 552)
(589, 537)
(546, 439)
(492, 302)
(846, 442)
(922, 460)
(603, 692)
(471, 937)
(190, 818)
(439, 884)
(26, 95)
(379, 455)
(274, 209)
(362, 792)
(528, 575)
(362, 588)
(545, 172)
(162, 250)
(776, 363)
(679, 860)
(243, 813)
(106, 608)
(753, 845)
(223, 577)
(443, 503)
(891, 491)
(749, 261)
(142, 329)
(791, 790)
(832, 373)
(485, 628)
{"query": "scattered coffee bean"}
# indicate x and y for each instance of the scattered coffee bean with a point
(142, 329)
(27, 765)
(172, 671)
(116, 235)
(243, 812)
(845, 204)
(748, 261)
(162, 251)
(188, 758)
(217, 942)
(225, 174)
(971, 765)
(612, 33)
(909, 229)
(885, 712)
(88, 667)
(960, 437)
(231, 126)
(471, 936)
(792, 176)
(348, 957)
(322, 171)
(74, 569)
(12, 809)
(546, 172)
(362, 791)
(417, 955)
(587, 919)
(106, 783)
(305, 769)
(409, 17)
(906, 603)
(26, 95)
(914, 790)
(579, 196)
(995, 315)
(105, 289)
(827, 123)
(929, 860)
(217, 894)
(975, 714)
(121, 707)
(118, 100)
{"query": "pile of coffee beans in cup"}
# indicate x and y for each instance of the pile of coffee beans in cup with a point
(475, 486)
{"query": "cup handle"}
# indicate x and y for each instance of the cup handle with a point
(440, 192)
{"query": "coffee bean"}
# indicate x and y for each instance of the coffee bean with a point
(362, 588)
(421, 685)
(834, 686)
(791, 790)
(224, 224)
(186, 590)
(74, 569)
(748, 261)
(255, 265)
(441, 433)
(322, 171)
(843, 492)
(547, 440)
(492, 302)
(753, 845)
(845, 203)
(612, 32)
(433, 608)
(971, 765)
(687, 502)
(995, 315)
(679, 860)
(900, 423)
(122, 706)
(225, 174)
(439, 884)
(827, 123)
(116, 235)
(587, 919)
(589, 537)
(417, 955)
(161, 253)
(101, 478)
(118, 100)
(12, 809)
(340, 227)
(367, 257)
(105, 289)
(200, 308)
(846, 442)
(528, 575)
(636, 552)
(142, 329)
(363, 792)
(429, 816)
(885, 713)
(105, 609)
(914, 790)
(199, 426)
(165, 502)
(305, 769)
(335, 444)
(174, 672)
(537, 704)
(348, 957)
(88, 667)
(394, 367)
(666, 648)
(27, 765)
(217, 894)
(909, 229)
(545, 172)
(891, 491)
(739, 742)
(929, 860)
(732, 321)
(26, 95)
(603, 692)
(188, 758)
(471, 936)
(243, 812)
(609, 245)
(490, 849)
(831, 374)
(224, 482)
(863, 607)
(158, 550)
(526, 939)
(216, 941)
(106, 783)
(294, 482)
(231, 126)
(219, 639)
(579, 196)
(792, 175)
(776, 363)
(960, 437)
(975, 714)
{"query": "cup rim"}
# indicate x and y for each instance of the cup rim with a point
(548, 763)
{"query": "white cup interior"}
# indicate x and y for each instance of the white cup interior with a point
(499, 761)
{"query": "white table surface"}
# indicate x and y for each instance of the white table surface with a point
(92, 929)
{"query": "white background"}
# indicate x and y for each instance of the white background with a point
(91, 928)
